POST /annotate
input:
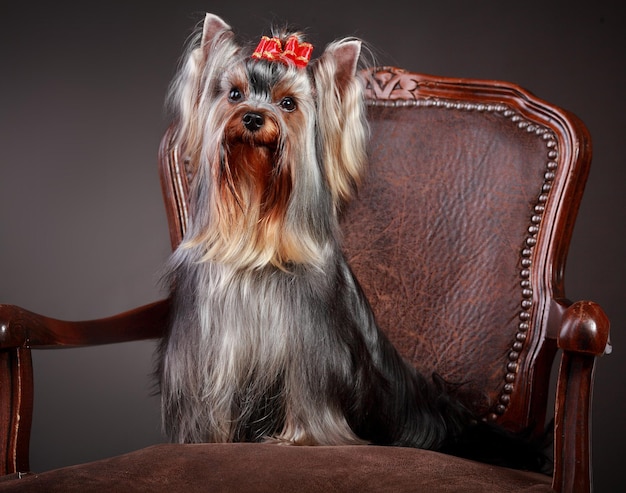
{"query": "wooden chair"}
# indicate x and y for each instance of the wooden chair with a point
(459, 237)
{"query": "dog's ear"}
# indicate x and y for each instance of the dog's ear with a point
(208, 55)
(345, 54)
(213, 28)
(341, 117)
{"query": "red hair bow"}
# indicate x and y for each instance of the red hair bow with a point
(294, 52)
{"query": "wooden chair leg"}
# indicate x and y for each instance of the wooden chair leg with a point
(584, 335)
(16, 409)
(572, 473)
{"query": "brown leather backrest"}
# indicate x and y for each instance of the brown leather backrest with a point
(460, 231)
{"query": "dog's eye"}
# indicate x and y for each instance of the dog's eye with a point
(287, 104)
(234, 95)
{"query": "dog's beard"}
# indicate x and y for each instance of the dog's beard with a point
(260, 192)
(252, 177)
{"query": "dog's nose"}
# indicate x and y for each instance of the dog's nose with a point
(253, 121)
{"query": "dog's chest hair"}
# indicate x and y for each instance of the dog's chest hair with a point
(255, 325)
(246, 317)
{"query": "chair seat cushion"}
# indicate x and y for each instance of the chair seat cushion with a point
(266, 467)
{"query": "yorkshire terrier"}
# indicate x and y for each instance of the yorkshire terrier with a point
(271, 337)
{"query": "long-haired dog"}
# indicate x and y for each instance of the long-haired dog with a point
(271, 337)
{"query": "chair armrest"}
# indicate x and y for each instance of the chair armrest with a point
(21, 328)
(21, 331)
(583, 336)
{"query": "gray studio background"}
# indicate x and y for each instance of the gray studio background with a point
(82, 227)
